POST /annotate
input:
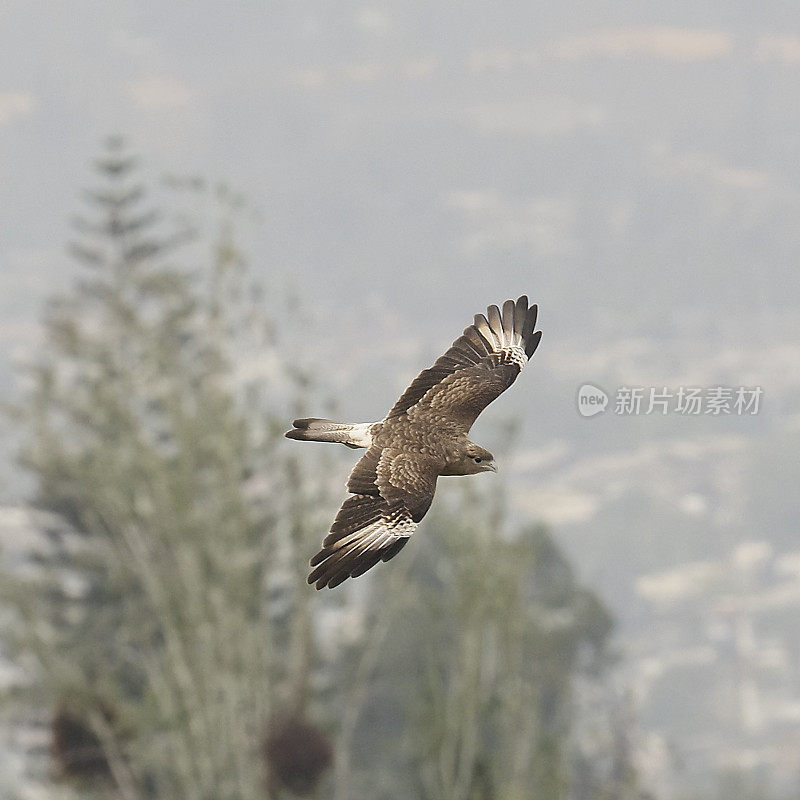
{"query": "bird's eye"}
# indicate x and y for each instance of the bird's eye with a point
(478, 460)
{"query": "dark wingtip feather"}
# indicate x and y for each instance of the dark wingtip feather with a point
(509, 308)
(326, 572)
(364, 563)
(495, 323)
(532, 343)
(520, 312)
(335, 580)
(530, 322)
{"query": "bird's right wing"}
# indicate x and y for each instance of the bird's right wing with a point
(392, 491)
(479, 366)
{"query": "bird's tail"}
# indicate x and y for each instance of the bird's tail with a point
(358, 434)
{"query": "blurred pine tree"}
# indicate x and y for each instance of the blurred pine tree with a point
(171, 623)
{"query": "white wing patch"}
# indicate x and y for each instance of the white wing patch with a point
(366, 530)
(514, 355)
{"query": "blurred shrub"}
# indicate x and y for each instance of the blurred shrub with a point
(297, 754)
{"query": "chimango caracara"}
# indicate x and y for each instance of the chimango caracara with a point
(423, 436)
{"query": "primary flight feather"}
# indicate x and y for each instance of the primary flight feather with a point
(422, 437)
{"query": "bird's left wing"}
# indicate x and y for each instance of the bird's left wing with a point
(392, 490)
(481, 364)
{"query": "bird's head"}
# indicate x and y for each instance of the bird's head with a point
(469, 459)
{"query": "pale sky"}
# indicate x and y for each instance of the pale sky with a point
(636, 171)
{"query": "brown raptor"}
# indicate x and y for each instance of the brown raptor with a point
(422, 437)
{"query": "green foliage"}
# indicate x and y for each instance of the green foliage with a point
(168, 620)
(481, 643)
(494, 705)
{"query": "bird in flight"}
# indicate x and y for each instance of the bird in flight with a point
(422, 437)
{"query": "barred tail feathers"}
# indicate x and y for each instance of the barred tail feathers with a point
(315, 429)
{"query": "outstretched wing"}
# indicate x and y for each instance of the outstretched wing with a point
(481, 364)
(392, 491)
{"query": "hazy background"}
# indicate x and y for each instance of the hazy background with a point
(634, 169)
